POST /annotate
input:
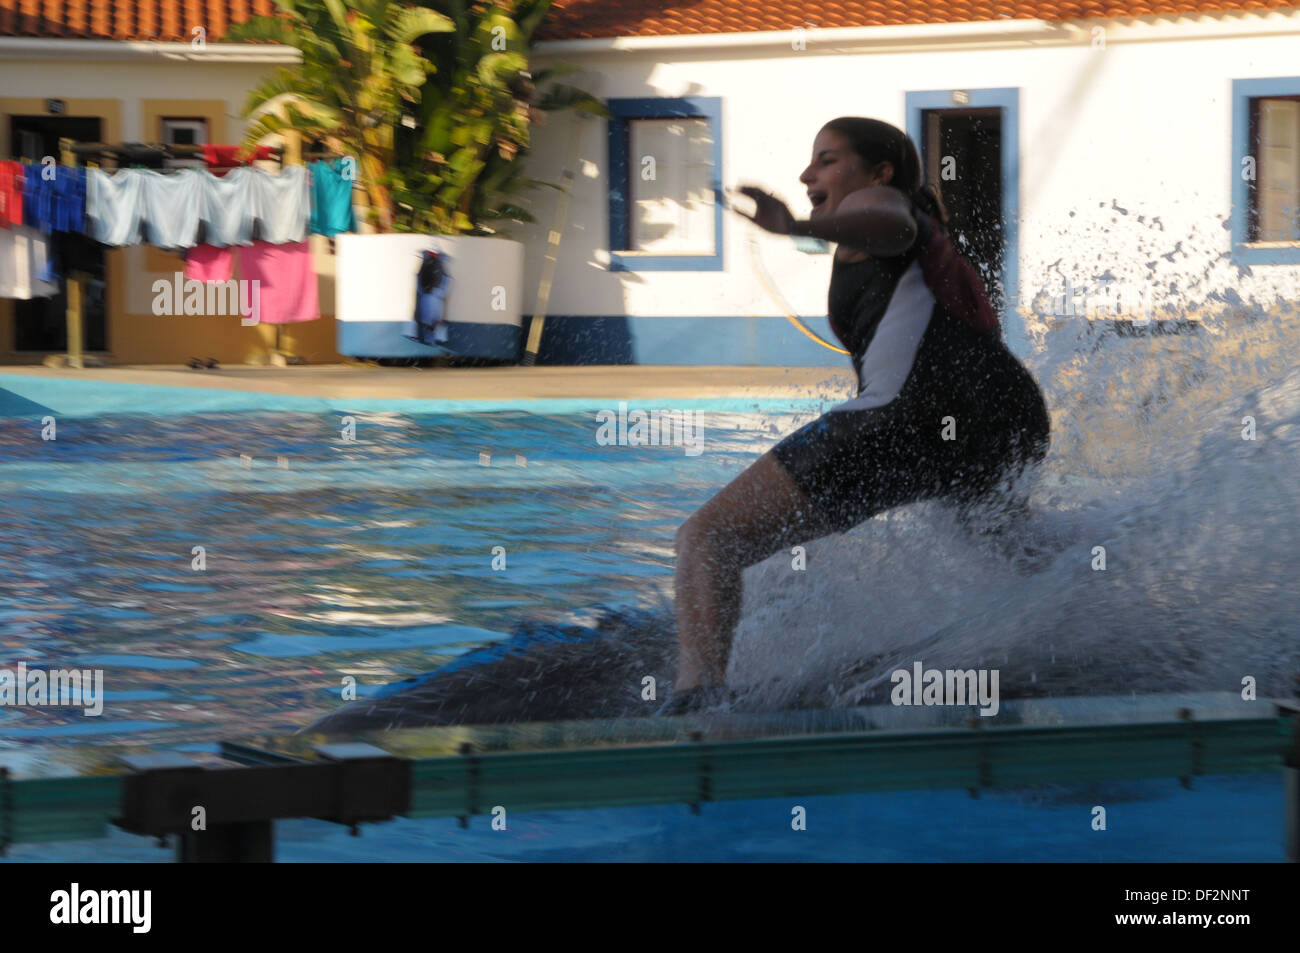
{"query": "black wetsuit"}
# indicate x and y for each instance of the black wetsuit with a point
(926, 346)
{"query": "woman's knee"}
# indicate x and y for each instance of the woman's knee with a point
(703, 543)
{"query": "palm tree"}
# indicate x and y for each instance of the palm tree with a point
(360, 70)
(461, 166)
(435, 103)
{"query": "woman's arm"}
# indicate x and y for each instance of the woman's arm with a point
(877, 219)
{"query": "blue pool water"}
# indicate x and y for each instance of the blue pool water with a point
(1220, 819)
(373, 558)
(324, 557)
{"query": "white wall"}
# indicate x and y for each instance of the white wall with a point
(1142, 123)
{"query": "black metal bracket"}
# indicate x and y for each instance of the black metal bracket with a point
(6, 812)
(474, 774)
(351, 784)
(705, 773)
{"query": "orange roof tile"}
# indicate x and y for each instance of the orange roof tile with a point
(171, 20)
(574, 19)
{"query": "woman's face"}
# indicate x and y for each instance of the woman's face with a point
(835, 171)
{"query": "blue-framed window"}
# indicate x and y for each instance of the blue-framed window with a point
(665, 184)
(1266, 171)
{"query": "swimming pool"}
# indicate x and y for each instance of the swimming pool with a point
(321, 556)
(227, 571)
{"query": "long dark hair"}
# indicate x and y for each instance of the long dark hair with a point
(877, 142)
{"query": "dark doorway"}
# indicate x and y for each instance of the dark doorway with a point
(962, 154)
(41, 323)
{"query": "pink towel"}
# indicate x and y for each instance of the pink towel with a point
(287, 282)
(209, 263)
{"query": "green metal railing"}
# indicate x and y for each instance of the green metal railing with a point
(463, 771)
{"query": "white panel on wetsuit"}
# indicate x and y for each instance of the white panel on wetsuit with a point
(892, 352)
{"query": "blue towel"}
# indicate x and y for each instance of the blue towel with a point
(57, 203)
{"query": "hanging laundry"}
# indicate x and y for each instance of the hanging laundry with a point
(221, 159)
(286, 286)
(209, 263)
(282, 204)
(114, 206)
(228, 210)
(173, 203)
(186, 207)
(286, 290)
(11, 193)
(331, 196)
(54, 198)
(24, 255)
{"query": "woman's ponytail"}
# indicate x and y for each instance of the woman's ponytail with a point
(928, 200)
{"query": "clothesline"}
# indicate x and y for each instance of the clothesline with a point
(180, 208)
(247, 216)
(214, 155)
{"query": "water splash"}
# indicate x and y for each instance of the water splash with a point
(1148, 462)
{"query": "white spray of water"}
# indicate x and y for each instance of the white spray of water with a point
(1148, 460)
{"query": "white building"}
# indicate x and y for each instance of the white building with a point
(1133, 167)
(1149, 163)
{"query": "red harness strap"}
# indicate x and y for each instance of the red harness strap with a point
(952, 280)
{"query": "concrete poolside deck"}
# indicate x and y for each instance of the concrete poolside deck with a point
(170, 389)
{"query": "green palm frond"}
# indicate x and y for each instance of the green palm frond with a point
(433, 97)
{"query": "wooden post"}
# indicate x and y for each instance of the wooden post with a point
(74, 288)
(553, 247)
(75, 283)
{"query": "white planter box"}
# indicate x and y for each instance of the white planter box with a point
(375, 294)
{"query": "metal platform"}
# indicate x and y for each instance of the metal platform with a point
(70, 793)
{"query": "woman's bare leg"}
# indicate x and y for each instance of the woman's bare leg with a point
(752, 517)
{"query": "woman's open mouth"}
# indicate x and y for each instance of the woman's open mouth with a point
(818, 200)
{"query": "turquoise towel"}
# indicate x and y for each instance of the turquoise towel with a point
(331, 197)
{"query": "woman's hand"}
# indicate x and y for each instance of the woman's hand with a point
(771, 214)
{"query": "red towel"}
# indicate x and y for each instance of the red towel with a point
(11, 193)
(223, 158)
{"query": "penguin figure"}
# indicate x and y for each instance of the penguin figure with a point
(429, 324)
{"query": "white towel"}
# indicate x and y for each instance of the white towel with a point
(23, 252)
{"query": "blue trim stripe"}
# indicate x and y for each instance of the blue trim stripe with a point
(621, 169)
(1243, 91)
(502, 342)
(1007, 98)
(614, 339)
